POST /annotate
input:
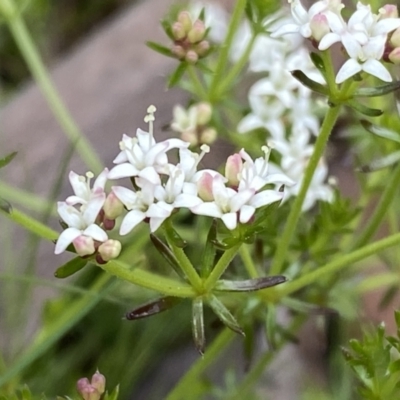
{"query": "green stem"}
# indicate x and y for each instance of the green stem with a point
(329, 72)
(374, 221)
(197, 84)
(336, 265)
(237, 67)
(183, 390)
(184, 263)
(31, 224)
(148, 279)
(39, 72)
(226, 46)
(248, 261)
(220, 267)
(295, 212)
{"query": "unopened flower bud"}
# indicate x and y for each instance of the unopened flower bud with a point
(113, 207)
(178, 51)
(395, 38)
(191, 57)
(178, 31)
(99, 382)
(208, 136)
(204, 187)
(84, 245)
(319, 26)
(86, 390)
(82, 384)
(233, 167)
(394, 56)
(388, 11)
(185, 19)
(202, 48)
(190, 137)
(110, 249)
(196, 34)
(204, 112)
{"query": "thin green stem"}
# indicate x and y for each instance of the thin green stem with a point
(148, 279)
(245, 255)
(295, 212)
(184, 389)
(184, 262)
(220, 267)
(329, 72)
(197, 84)
(226, 46)
(374, 221)
(336, 265)
(31, 224)
(41, 75)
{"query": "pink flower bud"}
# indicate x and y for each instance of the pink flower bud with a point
(186, 21)
(233, 167)
(394, 56)
(82, 384)
(196, 34)
(178, 51)
(113, 206)
(388, 11)
(204, 187)
(190, 137)
(208, 136)
(319, 26)
(99, 382)
(110, 249)
(178, 31)
(84, 245)
(395, 38)
(90, 393)
(204, 112)
(191, 57)
(202, 48)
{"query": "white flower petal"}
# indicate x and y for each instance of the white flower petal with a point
(208, 208)
(246, 212)
(230, 220)
(349, 68)
(122, 171)
(375, 68)
(265, 197)
(95, 232)
(65, 239)
(131, 219)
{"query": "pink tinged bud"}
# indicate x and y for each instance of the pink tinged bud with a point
(319, 26)
(191, 57)
(82, 384)
(202, 48)
(190, 137)
(90, 393)
(208, 136)
(196, 34)
(394, 56)
(84, 245)
(204, 112)
(178, 31)
(178, 51)
(113, 207)
(108, 224)
(388, 11)
(233, 167)
(204, 187)
(395, 38)
(186, 21)
(99, 382)
(110, 249)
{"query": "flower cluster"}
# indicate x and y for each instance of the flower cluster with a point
(366, 36)
(160, 188)
(93, 389)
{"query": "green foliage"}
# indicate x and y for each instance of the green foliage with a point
(375, 360)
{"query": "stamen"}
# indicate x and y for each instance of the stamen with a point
(149, 119)
(267, 152)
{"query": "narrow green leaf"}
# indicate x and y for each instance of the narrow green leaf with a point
(317, 61)
(165, 51)
(370, 112)
(166, 252)
(177, 74)
(71, 267)
(7, 159)
(380, 131)
(5, 206)
(224, 315)
(198, 325)
(249, 285)
(377, 91)
(203, 67)
(113, 395)
(210, 250)
(271, 326)
(166, 25)
(381, 163)
(175, 237)
(306, 81)
(153, 307)
(202, 15)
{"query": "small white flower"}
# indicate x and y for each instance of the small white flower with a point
(142, 156)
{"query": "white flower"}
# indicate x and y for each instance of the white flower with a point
(141, 156)
(81, 187)
(82, 230)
